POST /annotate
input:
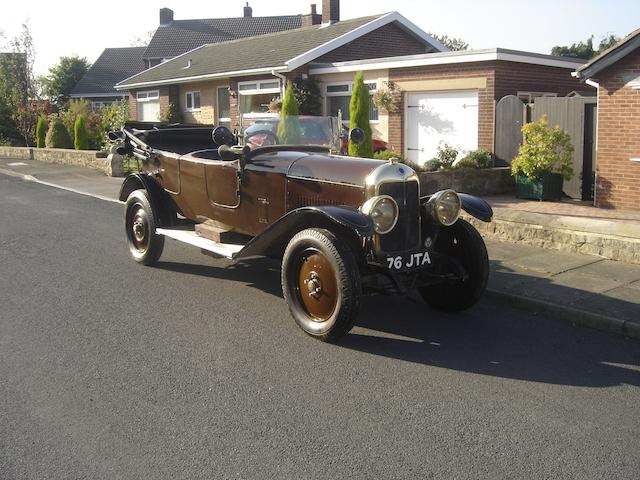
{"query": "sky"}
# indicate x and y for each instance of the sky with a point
(62, 27)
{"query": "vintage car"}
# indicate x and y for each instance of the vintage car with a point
(342, 226)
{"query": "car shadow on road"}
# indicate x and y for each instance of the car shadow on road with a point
(496, 340)
(489, 339)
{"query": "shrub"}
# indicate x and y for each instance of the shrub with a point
(80, 134)
(171, 114)
(482, 158)
(387, 155)
(289, 128)
(359, 114)
(389, 98)
(308, 96)
(432, 165)
(112, 118)
(446, 155)
(544, 150)
(57, 135)
(41, 131)
(467, 162)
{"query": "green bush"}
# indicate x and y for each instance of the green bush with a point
(544, 150)
(57, 135)
(387, 155)
(289, 127)
(171, 114)
(112, 118)
(446, 155)
(80, 134)
(308, 96)
(41, 131)
(467, 162)
(359, 109)
(482, 158)
(432, 165)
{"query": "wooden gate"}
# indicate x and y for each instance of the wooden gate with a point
(574, 116)
(510, 116)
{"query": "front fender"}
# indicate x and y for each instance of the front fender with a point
(161, 204)
(347, 222)
(476, 207)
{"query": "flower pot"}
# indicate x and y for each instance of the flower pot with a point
(548, 187)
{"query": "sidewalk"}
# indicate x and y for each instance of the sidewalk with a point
(582, 289)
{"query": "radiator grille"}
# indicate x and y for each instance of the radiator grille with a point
(406, 233)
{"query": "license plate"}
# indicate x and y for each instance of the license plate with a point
(408, 261)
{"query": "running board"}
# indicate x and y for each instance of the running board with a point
(227, 250)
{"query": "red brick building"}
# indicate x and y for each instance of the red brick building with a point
(617, 74)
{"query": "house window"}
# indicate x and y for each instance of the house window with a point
(148, 96)
(96, 106)
(255, 97)
(529, 97)
(192, 101)
(224, 107)
(339, 97)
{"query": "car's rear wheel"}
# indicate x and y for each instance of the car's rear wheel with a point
(321, 284)
(464, 244)
(145, 246)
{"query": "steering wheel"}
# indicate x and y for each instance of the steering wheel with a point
(261, 138)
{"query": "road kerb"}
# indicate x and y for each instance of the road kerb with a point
(571, 315)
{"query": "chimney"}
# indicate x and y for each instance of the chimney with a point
(248, 11)
(166, 16)
(314, 18)
(330, 11)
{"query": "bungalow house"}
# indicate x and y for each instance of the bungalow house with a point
(171, 38)
(112, 66)
(616, 74)
(447, 96)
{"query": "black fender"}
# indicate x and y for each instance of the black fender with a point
(346, 222)
(476, 207)
(161, 204)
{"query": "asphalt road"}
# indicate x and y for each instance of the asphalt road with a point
(194, 369)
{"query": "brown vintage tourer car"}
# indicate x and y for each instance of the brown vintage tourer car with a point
(342, 226)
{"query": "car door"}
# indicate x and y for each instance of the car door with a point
(222, 183)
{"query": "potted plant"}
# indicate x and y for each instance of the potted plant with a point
(543, 162)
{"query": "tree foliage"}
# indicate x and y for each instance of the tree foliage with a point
(544, 150)
(359, 109)
(451, 43)
(308, 96)
(62, 77)
(289, 127)
(18, 87)
(585, 50)
(41, 131)
(57, 135)
(80, 134)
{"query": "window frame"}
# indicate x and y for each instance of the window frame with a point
(150, 95)
(218, 109)
(186, 101)
(349, 93)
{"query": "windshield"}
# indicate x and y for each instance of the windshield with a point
(293, 130)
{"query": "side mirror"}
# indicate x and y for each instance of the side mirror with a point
(222, 136)
(357, 136)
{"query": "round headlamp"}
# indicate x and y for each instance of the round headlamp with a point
(383, 211)
(446, 207)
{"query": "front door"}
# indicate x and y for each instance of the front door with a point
(222, 183)
(434, 118)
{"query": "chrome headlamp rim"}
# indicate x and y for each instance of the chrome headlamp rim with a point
(435, 211)
(369, 206)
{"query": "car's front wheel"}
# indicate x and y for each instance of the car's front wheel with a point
(321, 284)
(463, 243)
(145, 245)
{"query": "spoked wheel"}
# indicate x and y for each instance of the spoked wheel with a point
(463, 243)
(144, 244)
(321, 284)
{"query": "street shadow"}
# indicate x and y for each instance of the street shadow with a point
(491, 339)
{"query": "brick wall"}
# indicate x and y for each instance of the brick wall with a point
(512, 77)
(617, 177)
(444, 72)
(387, 41)
(168, 94)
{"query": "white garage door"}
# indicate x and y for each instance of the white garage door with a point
(440, 117)
(148, 105)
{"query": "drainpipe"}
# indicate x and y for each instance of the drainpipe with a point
(284, 81)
